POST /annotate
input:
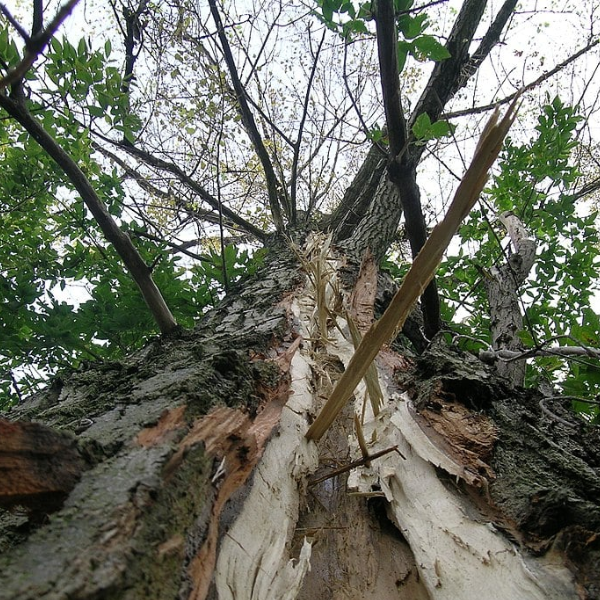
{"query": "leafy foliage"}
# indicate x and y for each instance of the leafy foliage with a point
(182, 109)
(424, 130)
(533, 182)
(64, 294)
(350, 20)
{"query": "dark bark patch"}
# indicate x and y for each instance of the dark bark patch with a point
(138, 518)
(39, 467)
(454, 376)
(582, 549)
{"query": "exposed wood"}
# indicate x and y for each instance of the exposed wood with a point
(420, 273)
(191, 500)
(458, 555)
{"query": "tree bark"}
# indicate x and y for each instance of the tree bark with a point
(502, 286)
(197, 480)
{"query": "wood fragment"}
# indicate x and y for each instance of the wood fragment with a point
(421, 271)
(355, 463)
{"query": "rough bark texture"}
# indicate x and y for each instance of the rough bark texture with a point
(543, 478)
(358, 197)
(502, 287)
(198, 474)
(140, 513)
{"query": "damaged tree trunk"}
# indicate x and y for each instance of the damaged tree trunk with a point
(198, 481)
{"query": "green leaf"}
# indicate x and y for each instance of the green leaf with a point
(402, 51)
(424, 130)
(411, 27)
(430, 48)
(422, 126)
(96, 111)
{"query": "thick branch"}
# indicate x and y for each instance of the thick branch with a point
(273, 185)
(402, 172)
(502, 288)
(387, 48)
(490, 39)
(126, 250)
(448, 76)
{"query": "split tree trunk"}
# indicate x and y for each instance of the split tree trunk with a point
(199, 483)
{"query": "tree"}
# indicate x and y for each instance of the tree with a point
(202, 463)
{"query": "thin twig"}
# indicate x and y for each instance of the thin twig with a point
(356, 463)
(526, 88)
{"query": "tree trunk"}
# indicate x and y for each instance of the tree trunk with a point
(199, 482)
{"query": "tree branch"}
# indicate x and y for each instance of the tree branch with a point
(155, 191)
(273, 185)
(491, 356)
(559, 67)
(133, 36)
(20, 30)
(159, 163)
(502, 287)
(298, 143)
(402, 171)
(126, 250)
(387, 48)
(442, 84)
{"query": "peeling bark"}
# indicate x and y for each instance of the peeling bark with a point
(198, 480)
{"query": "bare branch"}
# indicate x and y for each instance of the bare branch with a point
(273, 185)
(298, 143)
(159, 163)
(491, 356)
(559, 67)
(143, 182)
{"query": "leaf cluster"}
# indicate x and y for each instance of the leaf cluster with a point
(350, 20)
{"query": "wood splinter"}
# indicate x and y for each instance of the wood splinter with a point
(355, 463)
